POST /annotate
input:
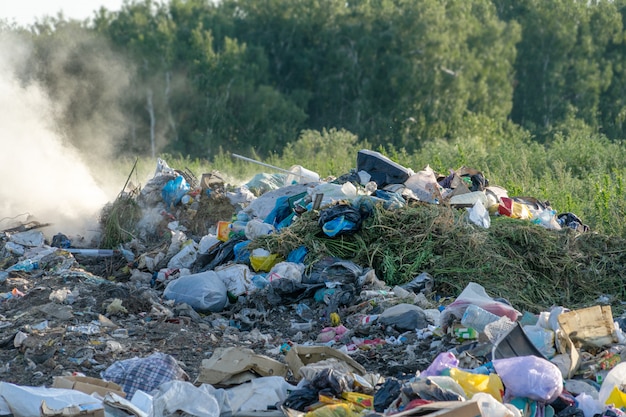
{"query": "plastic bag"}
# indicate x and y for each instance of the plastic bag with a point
(236, 277)
(479, 215)
(186, 257)
(475, 294)
(490, 407)
(262, 260)
(475, 383)
(443, 361)
(589, 405)
(174, 190)
(531, 377)
(204, 291)
(404, 317)
(175, 397)
(286, 270)
(615, 378)
(386, 394)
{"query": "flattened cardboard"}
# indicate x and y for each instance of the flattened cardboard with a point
(299, 356)
(84, 410)
(229, 366)
(87, 385)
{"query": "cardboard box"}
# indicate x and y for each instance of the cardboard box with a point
(87, 385)
(299, 356)
(444, 409)
(233, 366)
(591, 326)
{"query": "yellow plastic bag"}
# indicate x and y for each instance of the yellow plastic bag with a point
(617, 398)
(263, 263)
(473, 383)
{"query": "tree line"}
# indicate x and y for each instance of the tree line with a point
(192, 77)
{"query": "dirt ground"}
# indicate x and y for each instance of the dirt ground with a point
(58, 324)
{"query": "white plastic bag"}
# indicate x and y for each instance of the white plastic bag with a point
(204, 291)
(490, 407)
(286, 270)
(531, 377)
(26, 401)
(186, 257)
(479, 215)
(259, 395)
(236, 277)
(175, 398)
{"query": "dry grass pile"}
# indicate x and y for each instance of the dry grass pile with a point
(531, 266)
(118, 221)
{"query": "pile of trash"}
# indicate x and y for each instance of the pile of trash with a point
(286, 296)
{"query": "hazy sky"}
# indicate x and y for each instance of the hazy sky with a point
(25, 12)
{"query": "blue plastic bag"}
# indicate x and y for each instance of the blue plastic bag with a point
(174, 190)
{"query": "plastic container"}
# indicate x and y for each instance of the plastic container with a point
(477, 318)
(256, 228)
(301, 175)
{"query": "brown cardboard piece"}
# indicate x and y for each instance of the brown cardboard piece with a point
(87, 385)
(591, 326)
(299, 356)
(87, 410)
(233, 365)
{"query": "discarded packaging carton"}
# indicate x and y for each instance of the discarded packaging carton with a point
(591, 326)
(88, 385)
(231, 366)
(84, 410)
(299, 356)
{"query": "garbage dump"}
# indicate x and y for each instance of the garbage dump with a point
(381, 292)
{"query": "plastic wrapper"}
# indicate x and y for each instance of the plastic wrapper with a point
(530, 376)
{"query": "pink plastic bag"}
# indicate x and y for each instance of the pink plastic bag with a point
(475, 294)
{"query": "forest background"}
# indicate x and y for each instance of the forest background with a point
(530, 92)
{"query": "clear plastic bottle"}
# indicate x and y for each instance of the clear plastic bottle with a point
(477, 318)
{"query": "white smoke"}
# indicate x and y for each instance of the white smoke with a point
(43, 178)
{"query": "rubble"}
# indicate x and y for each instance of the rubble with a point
(206, 299)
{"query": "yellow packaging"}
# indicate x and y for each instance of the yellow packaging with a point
(473, 383)
(617, 398)
(223, 230)
(360, 399)
(263, 263)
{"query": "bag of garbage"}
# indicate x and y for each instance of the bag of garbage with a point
(174, 190)
(204, 291)
(340, 219)
(531, 377)
(404, 317)
(443, 361)
(475, 294)
(145, 374)
(386, 394)
(175, 397)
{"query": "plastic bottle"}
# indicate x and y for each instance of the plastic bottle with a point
(477, 318)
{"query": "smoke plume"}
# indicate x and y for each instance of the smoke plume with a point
(44, 175)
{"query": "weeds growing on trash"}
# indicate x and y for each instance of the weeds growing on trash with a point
(118, 220)
(533, 267)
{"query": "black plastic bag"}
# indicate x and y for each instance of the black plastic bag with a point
(386, 394)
